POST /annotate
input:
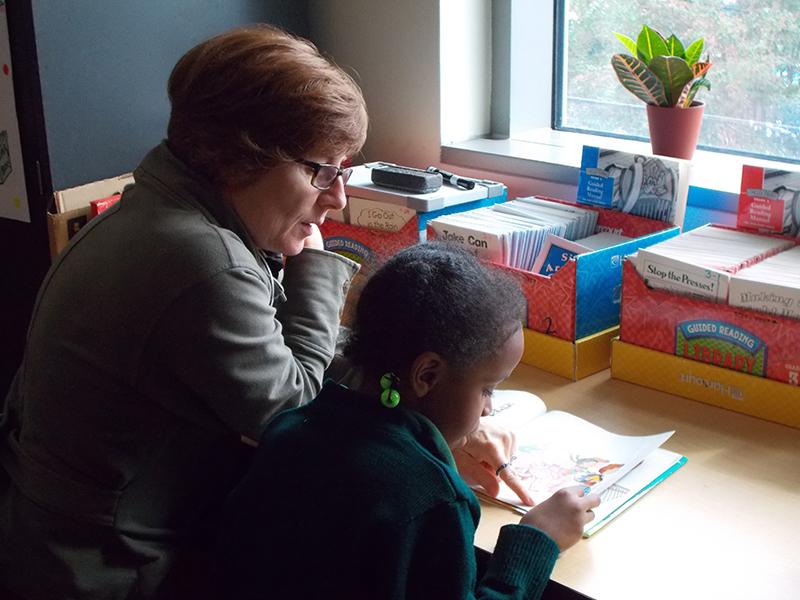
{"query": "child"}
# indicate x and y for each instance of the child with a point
(355, 495)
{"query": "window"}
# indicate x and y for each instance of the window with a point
(753, 107)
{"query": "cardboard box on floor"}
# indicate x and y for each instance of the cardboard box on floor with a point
(72, 208)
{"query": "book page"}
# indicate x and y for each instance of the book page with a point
(558, 450)
(513, 408)
(656, 467)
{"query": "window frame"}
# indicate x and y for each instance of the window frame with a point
(560, 100)
(554, 154)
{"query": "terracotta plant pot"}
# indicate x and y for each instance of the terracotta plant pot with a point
(674, 131)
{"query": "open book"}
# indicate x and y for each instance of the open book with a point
(556, 450)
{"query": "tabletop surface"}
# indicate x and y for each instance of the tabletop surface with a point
(725, 525)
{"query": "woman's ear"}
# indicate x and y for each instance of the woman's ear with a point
(427, 370)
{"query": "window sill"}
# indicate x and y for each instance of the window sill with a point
(555, 156)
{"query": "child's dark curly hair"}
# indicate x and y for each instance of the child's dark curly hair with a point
(433, 297)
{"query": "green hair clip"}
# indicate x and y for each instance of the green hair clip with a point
(390, 397)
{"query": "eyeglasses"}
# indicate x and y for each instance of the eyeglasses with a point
(324, 175)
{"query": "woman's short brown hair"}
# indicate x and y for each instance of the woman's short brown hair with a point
(250, 98)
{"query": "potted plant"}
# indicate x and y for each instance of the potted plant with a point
(666, 76)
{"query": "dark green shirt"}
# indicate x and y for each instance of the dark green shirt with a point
(348, 499)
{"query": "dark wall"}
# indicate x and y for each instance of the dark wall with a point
(104, 65)
(90, 82)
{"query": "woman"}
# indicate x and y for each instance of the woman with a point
(171, 327)
(163, 333)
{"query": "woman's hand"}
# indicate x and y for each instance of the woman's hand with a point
(315, 239)
(480, 460)
(563, 515)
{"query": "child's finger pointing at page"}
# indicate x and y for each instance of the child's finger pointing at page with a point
(517, 486)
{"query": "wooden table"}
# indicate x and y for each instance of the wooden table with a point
(726, 525)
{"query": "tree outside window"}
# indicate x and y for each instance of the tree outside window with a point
(754, 45)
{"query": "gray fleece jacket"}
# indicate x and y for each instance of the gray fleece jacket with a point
(159, 337)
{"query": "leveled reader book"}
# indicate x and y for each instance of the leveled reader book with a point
(556, 450)
(771, 286)
(536, 210)
(555, 253)
(73, 208)
(485, 236)
(648, 186)
(487, 240)
(102, 204)
(769, 200)
(530, 238)
(514, 233)
(700, 262)
(377, 215)
(585, 218)
(80, 196)
(604, 239)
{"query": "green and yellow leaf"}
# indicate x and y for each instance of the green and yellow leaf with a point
(629, 43)
(674, 73)
(675, 47)
(694, 51)
(650, 44)
(692, 90)
(634, 75)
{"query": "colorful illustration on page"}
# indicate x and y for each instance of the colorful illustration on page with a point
(544, 471)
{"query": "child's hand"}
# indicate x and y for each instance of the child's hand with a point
(485, 450)
(563, 515)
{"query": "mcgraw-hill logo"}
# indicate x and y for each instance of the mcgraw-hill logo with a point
(722, 344)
